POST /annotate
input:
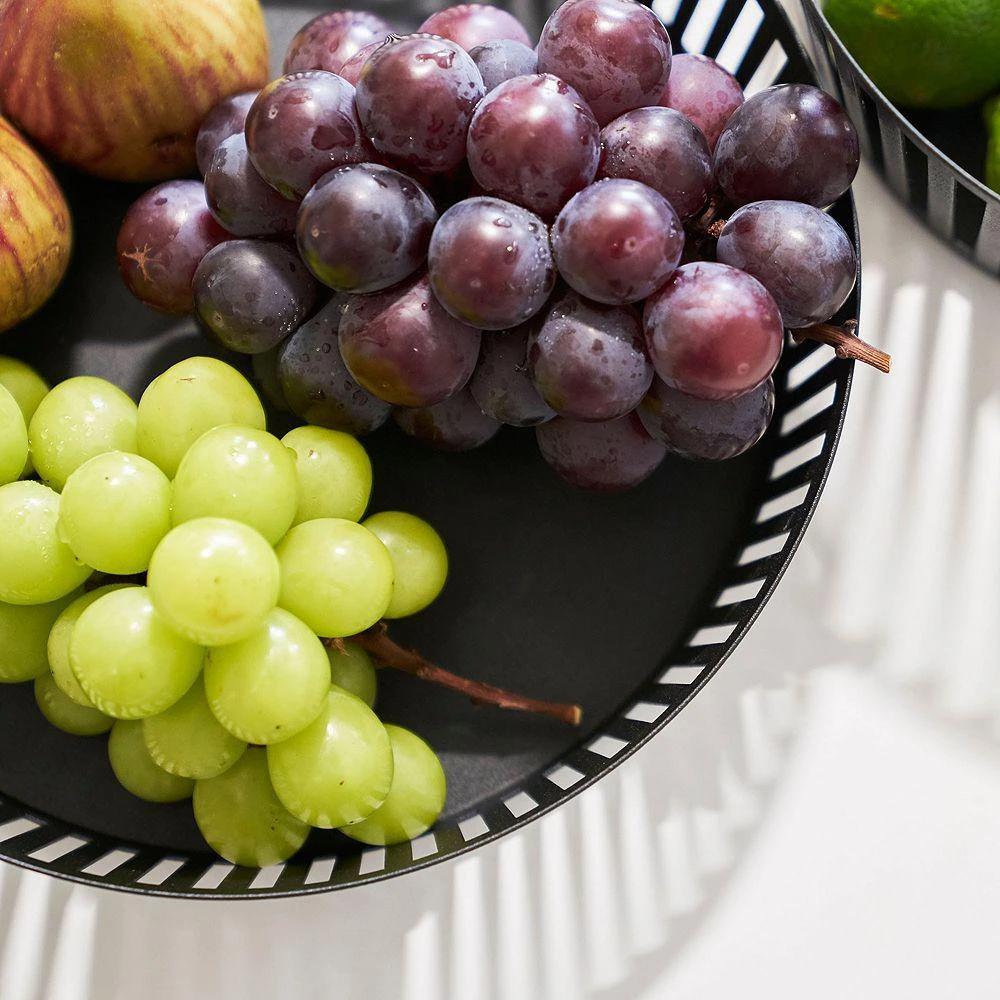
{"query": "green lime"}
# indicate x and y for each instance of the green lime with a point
(923, 53)
(991, 115)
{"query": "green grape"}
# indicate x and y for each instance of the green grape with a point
(188, 399)
(335, 575)
(240, 473)
(335, 473)
(79, 418)
(214, 580)
(13, 438)
(28, 388)
(419, 560)
(415, 799)
(137, 771)
(352, 668)
(23, 383)
(188, 740)
(36, 565)
(127, 659)
(57, 645)
(24, 633)
(270, 685)
(338, 770)
(66, 714)
(242, 819)
(114, 510)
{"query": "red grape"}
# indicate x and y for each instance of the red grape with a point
(616, 53)
(534, 141)
(713, 331)
(490, 264)
(607, 457)
(227, 118)
(241, 200)
(402, 346)
(704, 92)
(663, 149)
(471, 24)
(455, 424)
(588, 361)
(415, 97)
(617, 241)
(329, 40)
(501, 384)
(707, 429)
(800, 254)
(503, 59)
(792, 141)
(162, 239)
(301, 126)
(365, 227)
(251, 294)
(351, 69)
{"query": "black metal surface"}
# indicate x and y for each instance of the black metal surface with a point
(932, 160)
(600, 600)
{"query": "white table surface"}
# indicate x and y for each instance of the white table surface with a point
(822, 821)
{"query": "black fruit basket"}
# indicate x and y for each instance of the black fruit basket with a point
(931, 160)
(627, 604)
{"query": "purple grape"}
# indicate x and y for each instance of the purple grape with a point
(250, 294)
(663, 149)
(616, 53)
(490, 264)
(402, 346)
(801, 255)
(241, 200)
(456, 424)
(617, 241)
(503, 59)
(472, 24)
(703, 91)
(608, 457)
(501, 383)
(329, 40)
(365, 227)
(351, 70)
(588, 361)
(301, 126)
(712, 331)
(791, 141)
(534, 141)
(316, 383)
(161, 241)
(227, 118)
(708, 429)
(415, 97)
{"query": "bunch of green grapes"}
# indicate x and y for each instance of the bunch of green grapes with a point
(175, 576)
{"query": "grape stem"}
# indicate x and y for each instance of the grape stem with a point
(845, 343)
(389, 653)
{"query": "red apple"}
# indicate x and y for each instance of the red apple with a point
(35, 229)
(118, 88)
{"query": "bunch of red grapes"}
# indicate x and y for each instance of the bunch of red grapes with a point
(460, 230)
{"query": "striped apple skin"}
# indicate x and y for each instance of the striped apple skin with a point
(118, 88)
(35, 229)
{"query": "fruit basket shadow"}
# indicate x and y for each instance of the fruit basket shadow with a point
(628, 604)
(931, 160)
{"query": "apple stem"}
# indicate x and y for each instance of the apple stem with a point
(389, 653)
(845, 343)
